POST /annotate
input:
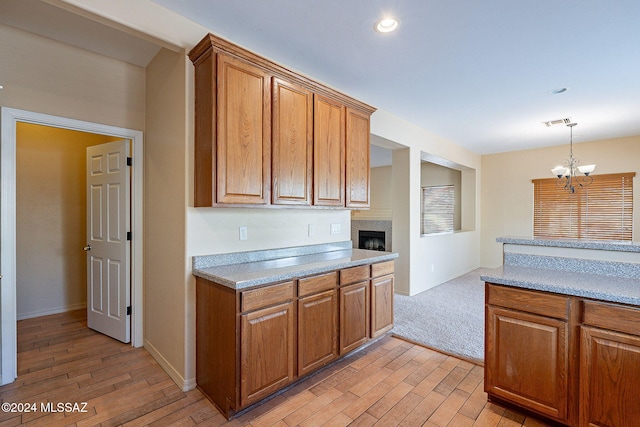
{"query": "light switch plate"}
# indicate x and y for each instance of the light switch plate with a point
(335, 228)
(243, 233)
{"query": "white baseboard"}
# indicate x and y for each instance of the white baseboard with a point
(29, 315)
(184, 384)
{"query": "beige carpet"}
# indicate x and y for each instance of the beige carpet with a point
(448, 317)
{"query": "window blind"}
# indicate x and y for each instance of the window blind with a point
(437, 209)
(600, 211)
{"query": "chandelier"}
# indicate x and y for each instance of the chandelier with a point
(567, 174)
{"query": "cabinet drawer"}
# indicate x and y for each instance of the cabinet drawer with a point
(382, 269)
(611, 316)
(268, 295)
(544, 304)
(310, 285)
(354, 274)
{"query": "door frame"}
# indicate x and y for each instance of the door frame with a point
(8, 329)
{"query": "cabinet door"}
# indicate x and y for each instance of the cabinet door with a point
(267, 353)
(354, 316)
(357, 153)
(328, 149)
(244, 133)
(292, 144)
(526, 360)
(381, 305)
(317, 331)
(609, 378)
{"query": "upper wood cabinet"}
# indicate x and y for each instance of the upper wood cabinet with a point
(244, 137)
(329, 152)
(357, 148)
(292, 147)
(267, 136)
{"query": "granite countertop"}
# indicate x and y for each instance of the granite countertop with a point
(621, 246)
(594, 286)
(248, 274)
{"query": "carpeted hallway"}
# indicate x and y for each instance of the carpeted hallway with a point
(448, 317)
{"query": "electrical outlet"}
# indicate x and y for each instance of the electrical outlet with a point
(432, 268)
(335, 228)
(312, 230)
(243, 233)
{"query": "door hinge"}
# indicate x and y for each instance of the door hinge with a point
(129, 161)
(128, 235)
(129, 311)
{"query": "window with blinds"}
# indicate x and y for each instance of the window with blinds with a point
(600, 211)
(438, 205)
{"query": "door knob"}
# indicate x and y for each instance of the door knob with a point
(87, 248)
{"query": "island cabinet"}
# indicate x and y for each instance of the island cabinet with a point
(252, 343)
(609, 365)
(528, 349)
(572, 360)
(268, 136)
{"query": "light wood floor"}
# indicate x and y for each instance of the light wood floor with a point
(391, 383)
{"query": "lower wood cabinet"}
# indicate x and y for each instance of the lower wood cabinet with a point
(381, 298)
(252, 343)
(317, 330)
(354, 316)
(609, 366)
(266, 352)
(529, 360)
(572, 360)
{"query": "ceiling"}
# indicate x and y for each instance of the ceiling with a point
(480, 74)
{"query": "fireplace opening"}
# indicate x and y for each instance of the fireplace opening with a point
(372, 240)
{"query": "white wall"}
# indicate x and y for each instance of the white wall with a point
(451, 255)
(44, 76)
(165, 313)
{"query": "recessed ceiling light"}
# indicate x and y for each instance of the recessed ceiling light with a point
(386, 25)
(557, 91)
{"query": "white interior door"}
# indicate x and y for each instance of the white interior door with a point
(108, 221)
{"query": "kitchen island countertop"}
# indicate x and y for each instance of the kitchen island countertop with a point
(587, 285)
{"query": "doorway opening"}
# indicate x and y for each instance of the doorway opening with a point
(8, 253)
(51, 219)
